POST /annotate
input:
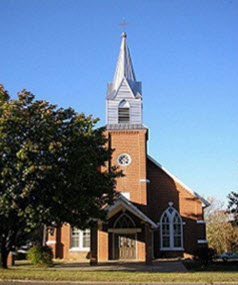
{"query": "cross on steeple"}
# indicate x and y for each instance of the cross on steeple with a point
(123, 24)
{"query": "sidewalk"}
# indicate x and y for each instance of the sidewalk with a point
(158, 266)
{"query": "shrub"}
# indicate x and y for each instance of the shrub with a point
(204, 254)
(40, 255)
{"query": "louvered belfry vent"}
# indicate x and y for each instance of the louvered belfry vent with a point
(124, 112)
(123, 115)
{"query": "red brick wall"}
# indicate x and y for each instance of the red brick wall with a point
(161, 190)
(102, 245)
(153, 198)
(132, 142)
(63, 236)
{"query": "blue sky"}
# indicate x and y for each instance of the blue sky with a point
(183, 51)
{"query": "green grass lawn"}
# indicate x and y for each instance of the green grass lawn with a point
(215, 272)
(122, 276)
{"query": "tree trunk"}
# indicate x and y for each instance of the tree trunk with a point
(4, 256)
(44, 235)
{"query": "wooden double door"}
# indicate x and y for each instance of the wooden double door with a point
(125, 246)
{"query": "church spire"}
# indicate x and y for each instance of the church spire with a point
(124, 99)
(124, 68)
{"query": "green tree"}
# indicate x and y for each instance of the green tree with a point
(221, 234)
(53, 168)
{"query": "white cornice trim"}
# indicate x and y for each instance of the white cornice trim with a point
(49, 242)
(201, 222)
(145, 180)
(202, 241)
(121, 200)
(205, 203)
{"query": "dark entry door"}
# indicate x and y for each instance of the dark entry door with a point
(125, 246)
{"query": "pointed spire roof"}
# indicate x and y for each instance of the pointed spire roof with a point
(124, 68)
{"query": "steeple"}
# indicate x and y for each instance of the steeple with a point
(124, 68)
(124, 100)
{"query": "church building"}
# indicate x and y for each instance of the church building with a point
(154, 215)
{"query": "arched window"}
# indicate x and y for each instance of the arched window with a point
(123, 112)
(124, 222)
(171, 230)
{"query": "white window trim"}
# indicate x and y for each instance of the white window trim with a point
(80, 248)
(124, 104)
(171, 230)
(172, 249)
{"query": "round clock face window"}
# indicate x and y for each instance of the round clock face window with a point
(124, 159)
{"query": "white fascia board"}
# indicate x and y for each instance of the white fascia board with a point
(131, 208)
(205, 203)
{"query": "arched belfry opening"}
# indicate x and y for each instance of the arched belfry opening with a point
(124, 112)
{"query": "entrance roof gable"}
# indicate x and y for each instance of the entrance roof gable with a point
(122, 202)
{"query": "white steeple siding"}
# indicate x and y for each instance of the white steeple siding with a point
(124, 66)
(124, 87)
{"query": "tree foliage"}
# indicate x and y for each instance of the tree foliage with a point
(222, 236)
(52, 168)
(233, 206)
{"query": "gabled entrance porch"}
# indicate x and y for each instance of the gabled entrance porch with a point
(126, 236)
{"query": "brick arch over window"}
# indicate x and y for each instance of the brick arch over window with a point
(124, 222)
(123, 112)
(171, 230)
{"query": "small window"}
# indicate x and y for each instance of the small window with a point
(80, 240)
(124, 159)
(124, 112)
